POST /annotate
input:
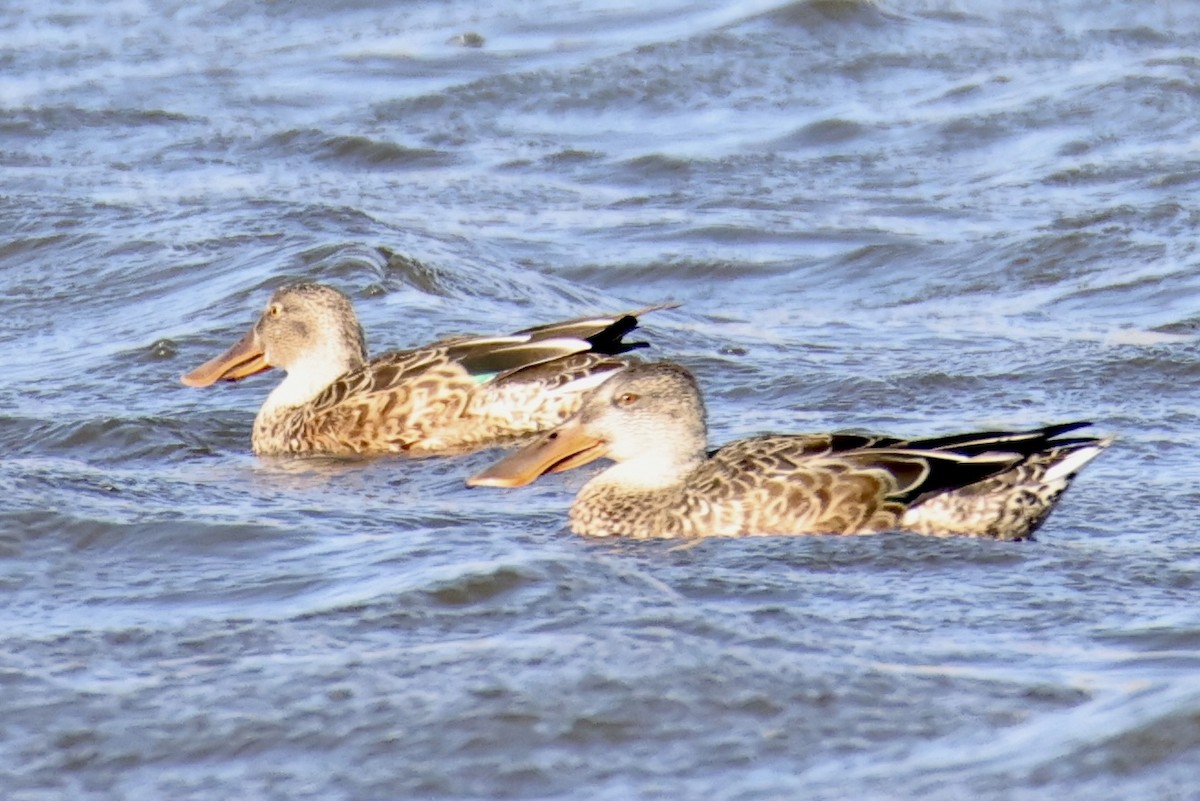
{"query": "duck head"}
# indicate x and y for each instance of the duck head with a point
(648, 418)
(307, 329)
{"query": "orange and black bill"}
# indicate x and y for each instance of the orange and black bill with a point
(245, 358)
(561, 449)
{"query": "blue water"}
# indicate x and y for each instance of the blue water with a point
(916, 218)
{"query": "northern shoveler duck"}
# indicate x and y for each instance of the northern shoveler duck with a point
(451, 396)
(650, 420)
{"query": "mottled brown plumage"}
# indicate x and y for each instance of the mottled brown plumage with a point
(649, 419)
(450, 396)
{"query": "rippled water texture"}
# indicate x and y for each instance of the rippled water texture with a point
(913, 217)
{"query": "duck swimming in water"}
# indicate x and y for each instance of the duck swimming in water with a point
(450, 396)
(650, 420)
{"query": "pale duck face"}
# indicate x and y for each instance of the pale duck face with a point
(310, 331)
(648, 418)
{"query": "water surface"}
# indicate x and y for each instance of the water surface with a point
(912, 217)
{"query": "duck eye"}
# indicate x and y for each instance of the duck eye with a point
(274, 310)
(627, 398)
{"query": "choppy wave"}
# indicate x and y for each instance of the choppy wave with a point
(915, 218)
